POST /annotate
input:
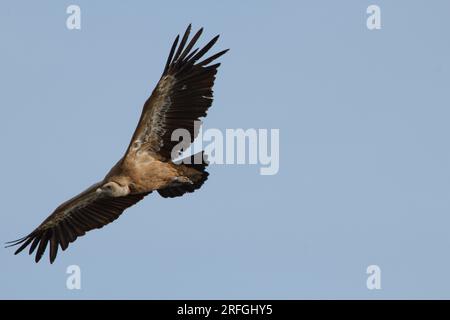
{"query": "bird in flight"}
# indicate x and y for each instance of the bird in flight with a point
(182, 96)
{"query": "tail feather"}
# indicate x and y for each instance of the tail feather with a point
(197, 161)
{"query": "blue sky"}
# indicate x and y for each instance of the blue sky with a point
(364, 160)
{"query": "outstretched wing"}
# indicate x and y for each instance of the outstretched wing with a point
(89, 210)
(183, 95)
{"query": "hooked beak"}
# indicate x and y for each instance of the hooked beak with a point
(99, 190)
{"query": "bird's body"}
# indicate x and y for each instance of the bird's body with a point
(181, 97)
(146, 173)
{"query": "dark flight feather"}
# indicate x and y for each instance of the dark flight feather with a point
(182, 96)
(68, 222)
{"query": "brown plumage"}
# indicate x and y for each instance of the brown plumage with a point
(182, 95)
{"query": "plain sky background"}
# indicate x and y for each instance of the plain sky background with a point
(364, 149)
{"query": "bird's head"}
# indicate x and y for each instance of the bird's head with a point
(113, 189)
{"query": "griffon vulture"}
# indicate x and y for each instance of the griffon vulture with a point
(182, 95)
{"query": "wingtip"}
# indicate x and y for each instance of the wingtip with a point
(10, 245)
(38, 258)
(15, 241)
(199, 32)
